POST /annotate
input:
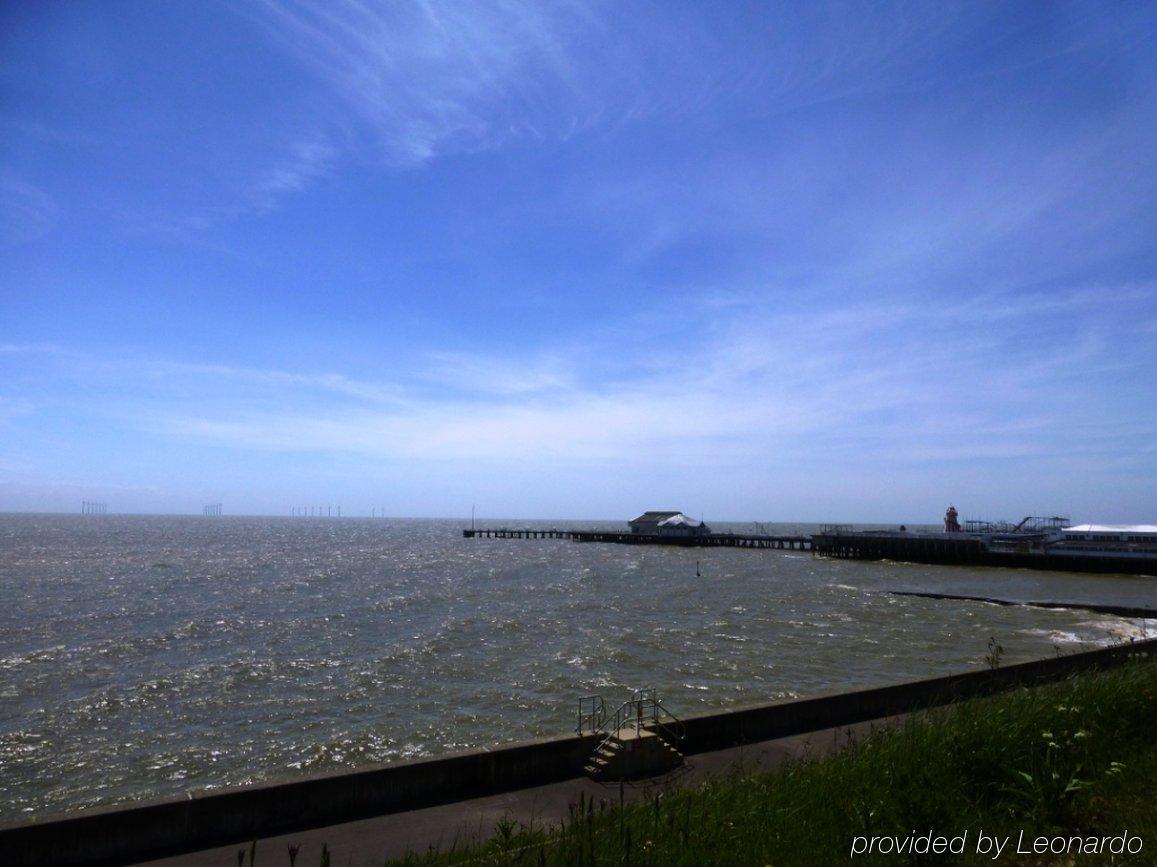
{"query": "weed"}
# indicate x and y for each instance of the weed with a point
(995, 652)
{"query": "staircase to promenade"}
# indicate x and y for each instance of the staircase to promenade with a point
(639, 739)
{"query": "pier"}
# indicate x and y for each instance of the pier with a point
(947, 549)
(1048, 543)
(704, 540)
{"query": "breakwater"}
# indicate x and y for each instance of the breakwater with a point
(203, 820)
(1115, 610)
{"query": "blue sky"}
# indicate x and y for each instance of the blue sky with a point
(753, 261)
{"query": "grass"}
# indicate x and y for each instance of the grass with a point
(1072, 758)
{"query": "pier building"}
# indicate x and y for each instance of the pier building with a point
(667, 524)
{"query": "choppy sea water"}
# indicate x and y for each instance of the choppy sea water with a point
(147, 656)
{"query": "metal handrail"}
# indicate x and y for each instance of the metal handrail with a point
(678, 730)
(643, 710)
(675, 729)
(596, 717)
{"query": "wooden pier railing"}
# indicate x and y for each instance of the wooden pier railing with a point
(709, 540)
(504, 533)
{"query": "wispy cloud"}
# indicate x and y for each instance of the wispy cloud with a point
(26, 211)
(433, 78)
(11, 410)
(303, 162)
(974, 390)
(333, 383)
(500, 376)
(42, 132)
(897, 384)
(27, 348)
(308, 160)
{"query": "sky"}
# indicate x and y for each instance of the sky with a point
(775, 262)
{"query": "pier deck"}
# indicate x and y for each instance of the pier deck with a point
(961, 549)
(708, 540)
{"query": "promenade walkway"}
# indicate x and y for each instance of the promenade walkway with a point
(372, 841)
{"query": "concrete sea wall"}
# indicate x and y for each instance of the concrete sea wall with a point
(714, 731)
(154, 829)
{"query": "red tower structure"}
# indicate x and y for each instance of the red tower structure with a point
(951, 525)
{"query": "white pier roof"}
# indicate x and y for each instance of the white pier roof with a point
(680, 520)
(1112, 528)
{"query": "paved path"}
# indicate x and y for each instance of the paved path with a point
(372, 841)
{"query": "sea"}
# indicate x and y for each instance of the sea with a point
(151, 656)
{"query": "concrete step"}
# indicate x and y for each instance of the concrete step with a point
(632, 753)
